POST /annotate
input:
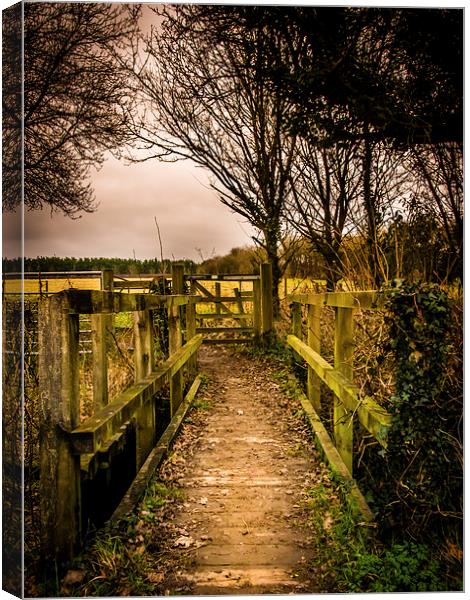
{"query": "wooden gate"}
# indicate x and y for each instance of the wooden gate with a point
(233, 309)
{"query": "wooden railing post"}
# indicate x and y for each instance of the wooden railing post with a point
(102, 327)
(296, 316)
(144, 357)
(313, 340)
(60, 406)
(266, 299)
(257, 308)
(344, 350)
(218, 293)
(190, 333)
(175, 337)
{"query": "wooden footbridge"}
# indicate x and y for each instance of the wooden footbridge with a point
(96, 468)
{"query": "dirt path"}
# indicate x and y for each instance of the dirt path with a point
(243, 480)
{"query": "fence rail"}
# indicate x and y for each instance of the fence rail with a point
(74, 455)
(348, 402)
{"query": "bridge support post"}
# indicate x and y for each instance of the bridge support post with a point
(144, 364)
(59, 484)
(257, 309)
(175, 337)
(102, 329)
(344, 350)
(313, 340)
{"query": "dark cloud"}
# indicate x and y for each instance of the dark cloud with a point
(190, 217)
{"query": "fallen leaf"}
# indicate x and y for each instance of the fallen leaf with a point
(184, 541)
(72, 577)
(155, 577)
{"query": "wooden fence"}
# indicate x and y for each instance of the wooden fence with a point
(83, 462)
(348, 403)
(71, 450)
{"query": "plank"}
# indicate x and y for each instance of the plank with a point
(59, 485)
(370, 414)
(96, 430)
(335, 461)
(364, 299)
(212, 297)
(154, 459)
(343, 355)
(98, 301)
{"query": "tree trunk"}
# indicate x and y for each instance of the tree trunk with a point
(370, 208)
(272, 244)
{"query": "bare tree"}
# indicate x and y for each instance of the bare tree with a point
(75, 101)
(439, 195)
(206, 101)
(327, 184)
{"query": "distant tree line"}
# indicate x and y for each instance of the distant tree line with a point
(125, 266)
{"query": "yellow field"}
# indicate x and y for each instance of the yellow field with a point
(13, 286)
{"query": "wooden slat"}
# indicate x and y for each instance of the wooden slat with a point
(213, 297)
(156, 456)
(222, 277)
(335, 461)
(92, 433)
(97, 301)
(367, 300)
(372, 416)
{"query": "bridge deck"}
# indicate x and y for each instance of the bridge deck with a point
(243, 484)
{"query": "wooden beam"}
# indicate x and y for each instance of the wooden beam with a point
(343, 355)
(96, 430)
(257, 308)
(59, 485)
(213, 297)
(144, 358)
(335, 461)
(97, 301)
(135, 492)
(99, 339)
(370, 414)
(228, 299)
(370, 300)
(313, 341)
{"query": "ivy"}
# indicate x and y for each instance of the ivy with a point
(421, 485)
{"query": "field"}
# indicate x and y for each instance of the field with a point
(54, 285)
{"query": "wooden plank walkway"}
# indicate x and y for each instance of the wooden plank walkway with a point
(243, 487)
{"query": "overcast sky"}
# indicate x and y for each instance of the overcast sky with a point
(192, 221)
(191, 218)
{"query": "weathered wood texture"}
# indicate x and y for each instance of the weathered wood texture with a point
(144, 359)
(343, 355)
(175, 337)
(347, 399)
(59, 484)
(313, 341)
(372, 416)
(67, 446)
(154, 459)
(90, 435)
